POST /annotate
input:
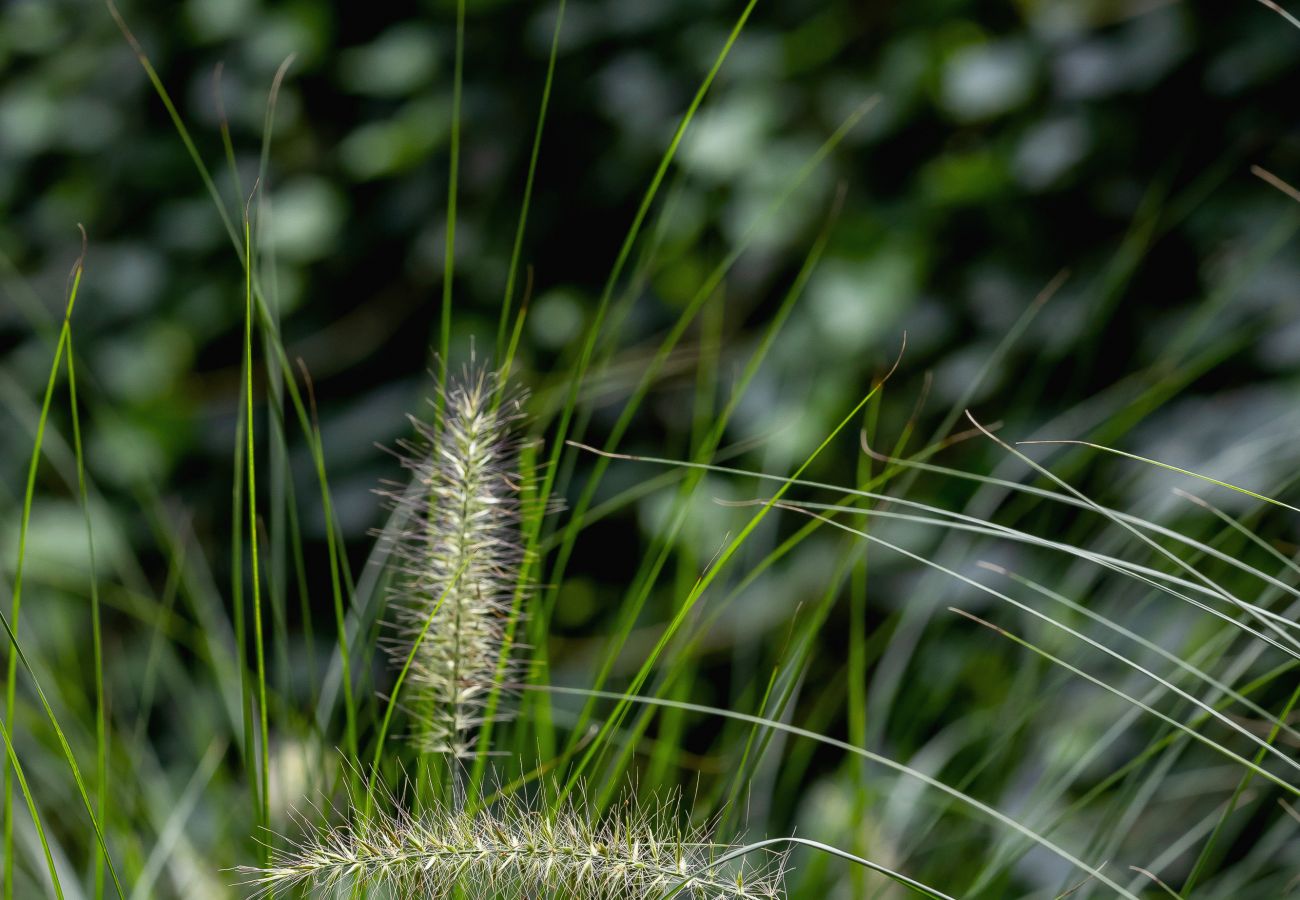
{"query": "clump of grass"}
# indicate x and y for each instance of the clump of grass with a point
(458, 560)
(512, 851)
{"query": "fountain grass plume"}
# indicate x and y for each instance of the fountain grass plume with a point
(458, 559)
(511, 851)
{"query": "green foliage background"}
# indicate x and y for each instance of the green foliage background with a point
(1008, 142)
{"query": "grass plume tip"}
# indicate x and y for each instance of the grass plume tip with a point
(458, 560)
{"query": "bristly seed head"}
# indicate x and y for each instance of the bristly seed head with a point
(459, 560)
(514, 852)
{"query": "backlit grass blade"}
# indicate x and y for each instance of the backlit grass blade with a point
(1281, 12)
(1276, 182)
(1172, 468)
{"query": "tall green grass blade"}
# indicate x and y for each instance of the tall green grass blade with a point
(179, 124)
(453, 182)
(505, 353)
(579, 369)
(264, 769)
(97, 644)
(16, 651)
(31, 808)
(505, 362)
(272, 343)
(11, 670)
(706, 290)
(248, 733)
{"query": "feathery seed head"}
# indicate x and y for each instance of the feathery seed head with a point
(513, 852)
(458, 560)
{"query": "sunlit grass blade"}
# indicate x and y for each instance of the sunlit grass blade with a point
(707, 290)
(578, 370)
